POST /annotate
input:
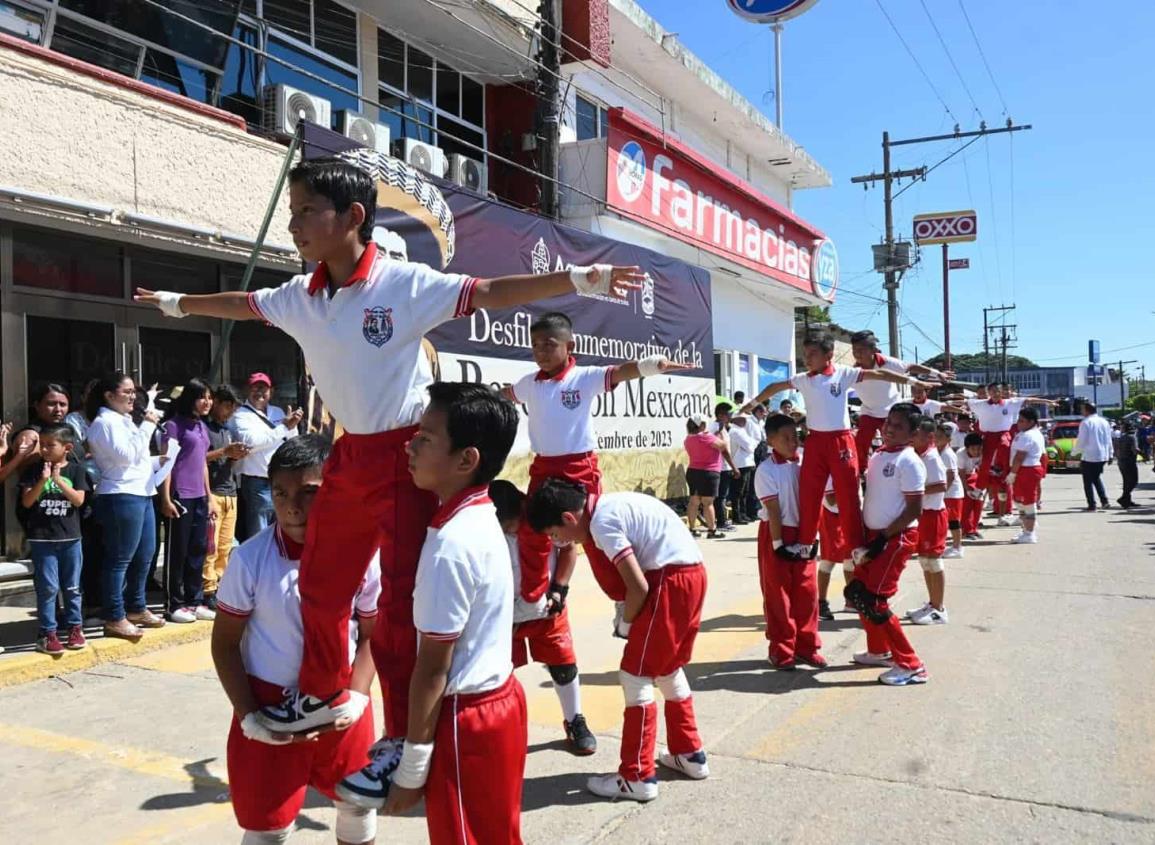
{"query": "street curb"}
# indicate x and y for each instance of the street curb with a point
(27, 667)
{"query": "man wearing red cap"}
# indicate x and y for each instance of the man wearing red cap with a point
(262, 428)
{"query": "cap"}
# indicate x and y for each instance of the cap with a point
(699, 419)
(259, 378)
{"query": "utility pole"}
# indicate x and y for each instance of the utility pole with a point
(888, 261)
(991, 332)
(986, 350)
(1123, 384)
(548, 107)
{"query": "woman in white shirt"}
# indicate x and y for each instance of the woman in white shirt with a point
(124, 504)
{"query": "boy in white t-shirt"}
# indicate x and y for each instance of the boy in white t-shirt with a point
(465, 705)
(970, 458)
(257, 642)
(933, 527)
(1027, 470)
(955, 491)
(661, 584)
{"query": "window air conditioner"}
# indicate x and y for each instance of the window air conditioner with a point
(285, 107)
(468, 172)
(364, 131)
(425, 157)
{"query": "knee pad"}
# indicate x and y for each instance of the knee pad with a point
(1028, 510)
(826, 566)
(638, 691)
(268, 837)
(674, 686)
(954, 525)
(879, 615)
(355, 824)
(563, 675)
(1002, 495)
(931, 564)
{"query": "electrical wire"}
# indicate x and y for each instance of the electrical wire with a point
(950, 58)
(914, 58)
(994, 215)
(1014, 237)
(935, 166)
(983, 56)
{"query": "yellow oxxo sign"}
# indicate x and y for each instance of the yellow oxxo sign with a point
(945, 227)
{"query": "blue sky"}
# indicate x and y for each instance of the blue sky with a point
(1076, 260)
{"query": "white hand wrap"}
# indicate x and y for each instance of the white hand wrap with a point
(354, 708)
(169, 303)
(651, 365)
(1011, 480)
(252, 728)
(777, 544)
(413, 770)
(621, 626)
(592, 280)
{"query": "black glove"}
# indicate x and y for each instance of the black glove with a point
(783, 553)
(814, 551)
(555, 597)
(874, 547)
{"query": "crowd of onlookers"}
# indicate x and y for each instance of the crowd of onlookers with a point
(103, 489)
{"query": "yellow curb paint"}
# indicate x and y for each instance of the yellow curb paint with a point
(184, 659)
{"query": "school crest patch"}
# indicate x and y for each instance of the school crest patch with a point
(835, 390)
(378, 325)
(889, 470)
(571, 399)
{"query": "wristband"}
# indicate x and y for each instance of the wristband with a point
(651, 365)
(561, 589)
(777, 544)
(580, 277)
(413, 770)
(169, 303)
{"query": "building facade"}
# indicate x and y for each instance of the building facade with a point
(1057, 382)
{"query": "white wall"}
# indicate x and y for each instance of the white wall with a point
(746, 322)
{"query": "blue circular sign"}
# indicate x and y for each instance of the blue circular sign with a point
(824, 270)
(769, 11)
(631, 171)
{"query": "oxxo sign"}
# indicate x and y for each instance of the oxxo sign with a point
(666, 185)
(946, 227)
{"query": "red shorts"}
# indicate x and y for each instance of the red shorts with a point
(954, 510)
(268, 782)
(547, 641)
(831, 540)
(662, 636)
(933, 528)
(882, 573)
(1028, 482)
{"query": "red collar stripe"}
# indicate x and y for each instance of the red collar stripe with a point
(319, 281)
(290, 549)
(828, 370)
(778, 459)
(467, 498)
(570, 363)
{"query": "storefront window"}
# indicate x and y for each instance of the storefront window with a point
(25, 22)
(66, 264)
(238, 92)
(471, 142)
(167, 72)
(68, 352)
(170, 271)
(73, 38)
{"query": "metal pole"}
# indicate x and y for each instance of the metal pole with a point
(986, 350)
(1122, 389)
(946, 304)
(891, 283)
(777, 28)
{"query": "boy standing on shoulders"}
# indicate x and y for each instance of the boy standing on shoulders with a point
(257, 644)
(895, 481)
(933, 527)
(1026, 476)
(662, 581)
(786, 569)
(466, 745)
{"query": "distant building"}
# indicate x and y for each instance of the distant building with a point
(1055, 382)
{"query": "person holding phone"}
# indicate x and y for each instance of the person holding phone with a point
(224, 452)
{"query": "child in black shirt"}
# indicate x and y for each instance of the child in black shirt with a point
(52, 491)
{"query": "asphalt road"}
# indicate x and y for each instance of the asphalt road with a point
(1036, 725)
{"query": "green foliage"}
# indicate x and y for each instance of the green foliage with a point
(1144, 402)
(981, 361)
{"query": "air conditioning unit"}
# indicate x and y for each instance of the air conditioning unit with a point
(468, 172)
(285, 107)
(425, 157)
(364, 131)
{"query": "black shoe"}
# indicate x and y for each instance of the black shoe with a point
(694, 532)
(1104, 506)
(715, 535)
(211, 602)
(1090, 509)
(824, 611)
(581, 740)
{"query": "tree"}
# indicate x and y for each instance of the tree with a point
(980, 362)
(1142, 403)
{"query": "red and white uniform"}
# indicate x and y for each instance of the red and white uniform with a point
(996, 419)
(972, 510)
(545, 638)
(933, 523)
(1029, 476)
(464, 595)
(789, 588)
(893, 475)
(929, 407)
(955, 494)
(363, 348)
(562, 437)
(877, 399)
(268, 782)
(830, 451)
(831, 541)
(662, 635)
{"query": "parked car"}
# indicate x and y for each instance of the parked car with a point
(1061, 452)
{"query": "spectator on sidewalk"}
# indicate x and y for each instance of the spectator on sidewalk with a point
(92, 573)
(1127, 453)
(706, 452)
(123, 504)
(755, 427)
(742, 446)
(1095, 449)
(48, 406)
(184, 502)
(721, 428)
(262, 428)
(223, 454)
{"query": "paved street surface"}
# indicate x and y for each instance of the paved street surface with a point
(1036, 726)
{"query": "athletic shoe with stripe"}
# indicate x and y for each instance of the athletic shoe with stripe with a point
(868, 658)
(369, 787)
(614, 786)
(914, 614)
(899, 677)
(934, 616)
(579, 737)
(691, 765)
(299, 712)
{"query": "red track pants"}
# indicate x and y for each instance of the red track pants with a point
(864, 436)
(881, 577)
(829, 454)
(972, 512)
(789, 599)
(367, 502)
(995, 466)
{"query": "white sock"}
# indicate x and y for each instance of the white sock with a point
(570, 697)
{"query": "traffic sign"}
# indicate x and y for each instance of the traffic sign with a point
(959, 264)
(1093, 351)
(769, 11)
(945, 227)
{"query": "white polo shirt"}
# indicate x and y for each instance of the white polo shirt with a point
(890, 476)
(878, 396)
(929, 407)
(967, 466)
(825, 397)
(464, 592)
(1031, 444)
(363, 345)
(935, 474)
(777, 478)
(742, 447)
(621, 523)
(949, 463)
(262, 433)
(995, 417)
(260, 585)
(561, 408)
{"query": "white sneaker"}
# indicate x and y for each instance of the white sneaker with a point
(934, 616)
(1007, 521)
(183, 615)
(204, 613)
(952, 553)
(691, 765)
(918, 612)
(298, 712)
(1025, 537)
(867, 658)
(614, 786)
(369, 788)
(899, 677)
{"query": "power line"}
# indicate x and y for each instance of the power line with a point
(941, 161)
(914, 58)
(1104, 352)
(950, 58)
(1014, 237)
(994, 218)
(983, 56)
